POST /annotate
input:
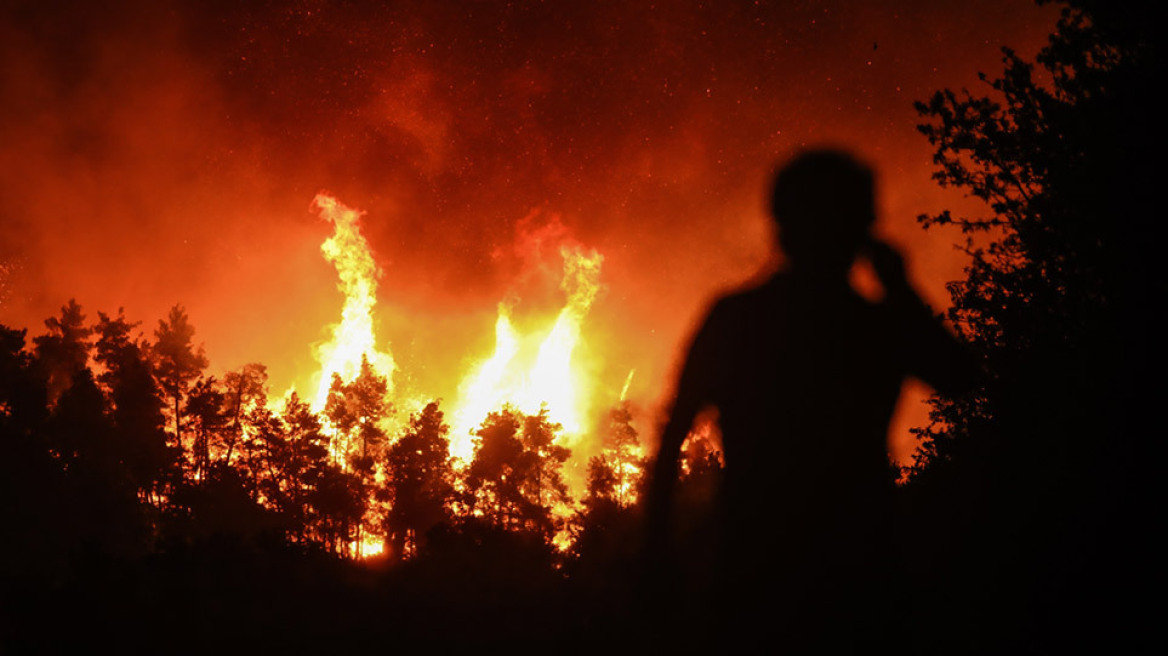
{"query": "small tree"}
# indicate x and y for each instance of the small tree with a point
(420, 480)
(205, 407)
(358, 409)
(176, 362)
(515, 478)
(64, 350)
(128, 380)
(243, 390)
(621, 448)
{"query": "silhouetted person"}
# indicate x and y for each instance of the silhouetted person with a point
(805, 374)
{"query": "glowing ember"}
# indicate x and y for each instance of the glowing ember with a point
(628, 381)
(353, 337)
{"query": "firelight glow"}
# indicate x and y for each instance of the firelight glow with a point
(514, 374)
(528, 371)
(162, 153)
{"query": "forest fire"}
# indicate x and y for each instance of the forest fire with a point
(530, 378)
(485, 327)
(532, 374)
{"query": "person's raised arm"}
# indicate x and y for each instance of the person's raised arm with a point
(935, 355)
(663, 475)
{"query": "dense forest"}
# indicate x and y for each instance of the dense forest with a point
(150, 505)
(126, 455)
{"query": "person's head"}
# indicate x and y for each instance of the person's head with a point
(823, 204)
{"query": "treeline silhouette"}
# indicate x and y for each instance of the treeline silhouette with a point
(149, 506)
(138, 486)
(1032, 511)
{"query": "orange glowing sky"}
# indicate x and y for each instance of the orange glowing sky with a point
(157, 154)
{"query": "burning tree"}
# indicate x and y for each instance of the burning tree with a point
(357, 410)
(615, 475)
(608, 527)
(326, 469)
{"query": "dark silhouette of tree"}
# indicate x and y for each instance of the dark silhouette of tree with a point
(301, 468)
(64, 350)
(283, 464)
(515, 479)
(547, 485)
(701, 470)
(338, 501)
(137, 409)
(606, 528)
(1057, 300)
(497, 468)
(620, 448)
(221, 505)
(78, 431)
(285, 457)
(603, 483)
(420, 481)
(243, 389)
(607, 532)
(71, 488)
(30, 479)
(1073, 210)
(208, 421)
(176, 362)
(22, 396)
(358, 411)
(265, 457)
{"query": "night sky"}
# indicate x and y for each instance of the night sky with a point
(156, 154)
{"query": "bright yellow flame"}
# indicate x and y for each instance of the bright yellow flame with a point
(483, 391)
(368, 547)
(353, 337)
(508, 376)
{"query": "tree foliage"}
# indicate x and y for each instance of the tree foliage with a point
(420, 481)
(244, 390)
(358, 410)
(64, 349)
(136, 404)
(515, 479)
(177, 363)
(1061, 270)
(1040, 482)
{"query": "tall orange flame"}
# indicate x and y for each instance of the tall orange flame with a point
(353, 337)
(513, 374)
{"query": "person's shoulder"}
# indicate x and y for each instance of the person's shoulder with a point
(729, 312)
(752, 295)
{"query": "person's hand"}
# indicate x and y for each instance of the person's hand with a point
(889, 267)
